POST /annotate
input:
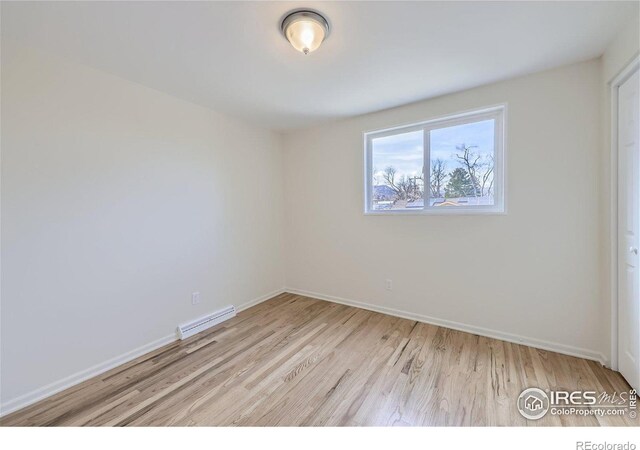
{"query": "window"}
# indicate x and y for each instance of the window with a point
(462, 157)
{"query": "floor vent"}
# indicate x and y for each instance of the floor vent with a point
(201, 324)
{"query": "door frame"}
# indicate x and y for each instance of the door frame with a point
(615, 84)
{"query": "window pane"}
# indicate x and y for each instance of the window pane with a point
(462, 165)
(397, 172)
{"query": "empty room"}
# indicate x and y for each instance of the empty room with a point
(316, 217)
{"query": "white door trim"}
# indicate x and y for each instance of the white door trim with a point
(613, 222)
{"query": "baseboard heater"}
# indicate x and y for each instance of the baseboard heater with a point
(201, 324)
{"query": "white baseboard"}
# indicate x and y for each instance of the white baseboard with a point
(509, 337)
(57, 386)
(83, 375)
(260, 299)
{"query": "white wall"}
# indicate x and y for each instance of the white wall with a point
(117, 202)
(621, 50)
(617, 56)
(534, 272)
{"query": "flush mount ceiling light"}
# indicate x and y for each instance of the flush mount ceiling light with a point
(305, 30)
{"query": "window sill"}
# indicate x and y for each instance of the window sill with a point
(437, 212)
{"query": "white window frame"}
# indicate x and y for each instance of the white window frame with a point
(498, 113)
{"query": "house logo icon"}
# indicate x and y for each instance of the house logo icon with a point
(533, 403)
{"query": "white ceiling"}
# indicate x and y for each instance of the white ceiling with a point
(230, 56)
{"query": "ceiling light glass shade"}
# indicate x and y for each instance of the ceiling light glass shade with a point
(305, 30)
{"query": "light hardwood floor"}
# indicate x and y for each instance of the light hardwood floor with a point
(294, 360)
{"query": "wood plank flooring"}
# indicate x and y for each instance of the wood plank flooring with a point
(298, 361)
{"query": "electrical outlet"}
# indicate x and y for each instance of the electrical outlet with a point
(195, 298)
(389, 285)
